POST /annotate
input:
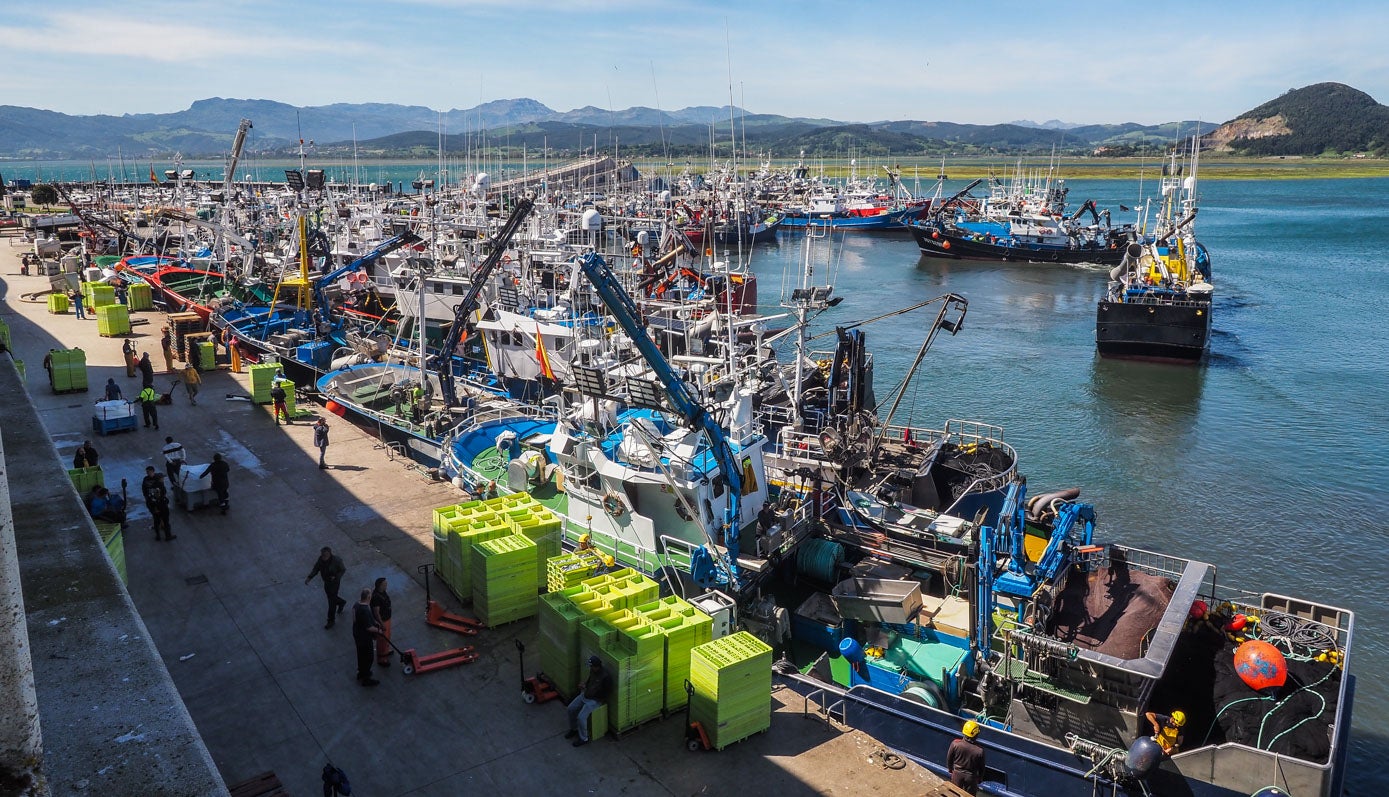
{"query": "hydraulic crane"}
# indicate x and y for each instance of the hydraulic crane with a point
(385, 248)
(682, 400)
(442, 361)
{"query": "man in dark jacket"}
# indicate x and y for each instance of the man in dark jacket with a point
(157, 502)
(218, 470)
(965, 759)
(330, 567)
(86, 456)
(146, 370)
(592, 692)
(364, 631)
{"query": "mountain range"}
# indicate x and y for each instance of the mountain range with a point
(1296, 123)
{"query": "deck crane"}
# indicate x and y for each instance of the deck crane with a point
(229, 178)
(384, 248)
(442, 361)
(682, 400)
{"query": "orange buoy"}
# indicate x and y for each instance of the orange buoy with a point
(935, 235)
(1260, 665)
(335, 408)
(945, 245)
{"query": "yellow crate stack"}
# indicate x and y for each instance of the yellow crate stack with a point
(504, 579)
(112, 320)
(732, 678)
(261, 376)
(139, 297)
(633, 652)
(537, 522)
(683, 627)
(58, 303)
(456, 529)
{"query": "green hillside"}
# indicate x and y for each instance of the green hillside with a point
(1323, 119)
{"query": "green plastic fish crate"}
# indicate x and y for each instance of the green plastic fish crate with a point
(558, 641)
(112, 320)
(57, 303)
(207, 356)
(460, 554)
(504, 579)
(732, 679)
(84, 479)
(261, 376)
(114, 543)
(139, 297)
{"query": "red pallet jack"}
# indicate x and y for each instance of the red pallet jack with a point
(695, 737)
(437, 616)
(411, 663)
(538, 688)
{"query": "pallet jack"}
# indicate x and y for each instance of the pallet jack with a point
(695, 737)
(538, 688)
(411, 663)
(437, 616)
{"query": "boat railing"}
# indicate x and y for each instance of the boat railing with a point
(488, 414)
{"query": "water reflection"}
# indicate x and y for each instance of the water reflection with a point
(1153, 402)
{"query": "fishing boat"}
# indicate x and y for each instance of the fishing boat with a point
(1031, 239)
(1157, 305)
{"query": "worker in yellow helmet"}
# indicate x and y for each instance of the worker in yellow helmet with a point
(965, 759)
(1167, 729)
(585, 543)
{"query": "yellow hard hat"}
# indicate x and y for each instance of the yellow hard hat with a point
(1178, 718)
(583, 539)
(971, 729)
(608, 561)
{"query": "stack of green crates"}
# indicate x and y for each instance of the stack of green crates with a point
(139, 297)
(84, 479)
(568, 569)
(504, 579)
(57, 303)
(112, 538)
(732, 679)
(633, 653)
(537, 522)
(456, 529)
(69, 370)
(558, 619)
(112, 320)
(684, 628)
(188, 345)
(207, 356)
(261, 376)
(98, 294)
(289, 397)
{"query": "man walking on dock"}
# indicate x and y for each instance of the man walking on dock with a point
(157, 502)
(146, 370)
(277, 395)
(320, 440)
(330, 567)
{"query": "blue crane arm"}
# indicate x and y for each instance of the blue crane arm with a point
(385, 248)
(442, 361)
(992, 539)
(682, 400)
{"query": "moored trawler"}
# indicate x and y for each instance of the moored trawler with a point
(1158, 302)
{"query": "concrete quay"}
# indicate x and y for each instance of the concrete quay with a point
(215, 667)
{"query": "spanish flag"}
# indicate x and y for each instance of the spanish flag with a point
(153, 179)
(542, 358)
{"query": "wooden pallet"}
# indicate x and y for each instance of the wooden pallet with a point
(266, 784)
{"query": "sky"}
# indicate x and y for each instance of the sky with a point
(850, 60)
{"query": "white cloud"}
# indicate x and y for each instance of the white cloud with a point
(117, 37)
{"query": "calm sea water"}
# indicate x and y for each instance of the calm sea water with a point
(1269, 462)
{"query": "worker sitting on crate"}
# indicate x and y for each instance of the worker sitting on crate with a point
(106, 507)
(592, 692)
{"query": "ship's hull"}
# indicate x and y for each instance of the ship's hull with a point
(1170, 331)
(938, 243)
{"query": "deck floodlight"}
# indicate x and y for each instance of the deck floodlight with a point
(295, 179)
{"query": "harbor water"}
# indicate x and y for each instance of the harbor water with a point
(1269, 461)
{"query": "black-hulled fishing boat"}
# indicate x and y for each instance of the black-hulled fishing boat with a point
(1158, 302)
